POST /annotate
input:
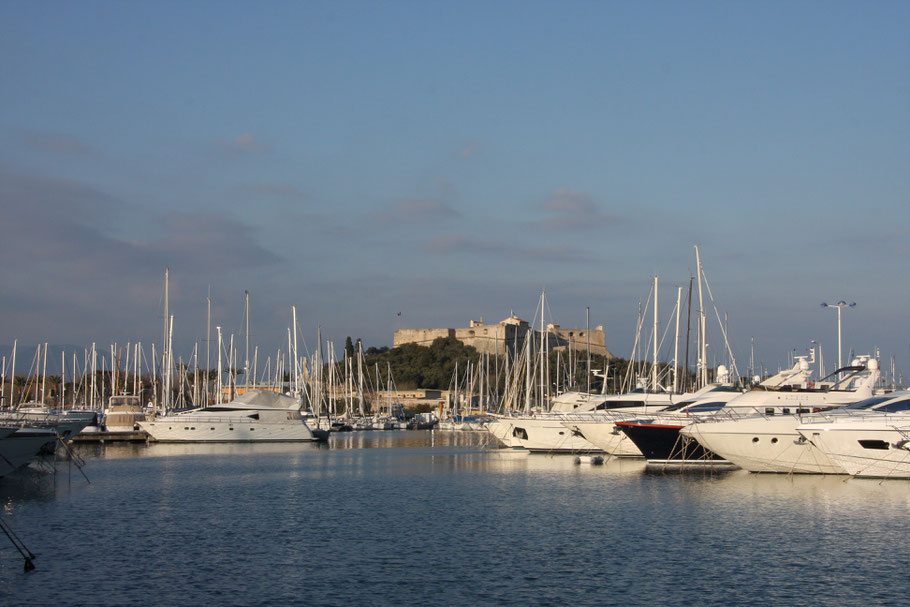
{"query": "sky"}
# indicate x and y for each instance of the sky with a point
(386, 165)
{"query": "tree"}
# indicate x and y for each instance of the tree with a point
(349, 347)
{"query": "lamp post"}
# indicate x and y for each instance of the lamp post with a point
(839, 306)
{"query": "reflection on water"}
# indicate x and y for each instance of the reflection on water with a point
(440, 518)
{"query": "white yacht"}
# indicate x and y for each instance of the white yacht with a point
(757, 431)
(255, 416)
(876, 445)
(34, 430)
(19, 446)
(600, 428)
(551, 432)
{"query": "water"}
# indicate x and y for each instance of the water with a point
(421, 518)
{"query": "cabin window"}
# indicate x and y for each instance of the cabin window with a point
(755, 440)
(874, 444)
(186, 427)
(774, 441)
(901, 405)
(211, 428)
(769, 411)
(520, 433)
(786, 410)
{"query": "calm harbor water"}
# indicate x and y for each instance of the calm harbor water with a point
(437, 518)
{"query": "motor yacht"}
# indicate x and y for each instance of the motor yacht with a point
(874, 445)
(757, 431)
(255, 416)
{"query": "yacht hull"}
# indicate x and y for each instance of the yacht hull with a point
(22, 446)
(606, 437)
(663, 444)
(166, 430)
(763, 444)
(865, 449)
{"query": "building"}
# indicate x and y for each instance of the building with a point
(509, 336)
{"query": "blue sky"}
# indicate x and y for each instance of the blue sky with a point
(448, 161)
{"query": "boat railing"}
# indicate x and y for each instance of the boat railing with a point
(30, 419)
(218, 419)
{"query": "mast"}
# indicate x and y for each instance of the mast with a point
(44, 375)
(246, 354)
(360, 377)
(676, 342)
(218, 375)
(169, 359)
(688, 326)
(654, 357)
(703, 343)
(164, 339)
(588, 345)
(62, 378)
(208, 344)
(296, 359)
(12, 379)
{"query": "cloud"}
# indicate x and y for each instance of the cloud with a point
(411, 211)
(456, 244)
(57, 144)
(272, 189)
(469, 150)
(207, 243)
(246, 143)
(573, 210)
(73, 228)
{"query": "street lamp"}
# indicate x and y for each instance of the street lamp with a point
(839, 306)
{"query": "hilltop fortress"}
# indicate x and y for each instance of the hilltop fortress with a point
(509, 336)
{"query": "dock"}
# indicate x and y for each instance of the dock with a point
(133, 436)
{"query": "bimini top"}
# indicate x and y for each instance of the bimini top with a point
(258, 399)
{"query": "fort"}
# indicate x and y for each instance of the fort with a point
(509, 336)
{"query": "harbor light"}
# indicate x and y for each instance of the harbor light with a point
(839, 306)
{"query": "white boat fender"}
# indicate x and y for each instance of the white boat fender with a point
(594, 460)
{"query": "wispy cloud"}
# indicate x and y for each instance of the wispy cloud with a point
(469, 151)
(412, 211)
(457, 244)
(76, 228)
(246, 143)
(57, 143)
(273, 190)
(206, 242)
(573, 210)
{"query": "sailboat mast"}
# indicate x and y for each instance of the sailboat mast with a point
(296, 359)
(218, 374)
(44, 375)
(654, 357)
(62, 378)
(588, 345)
(246, 353)
(12, 378)
(164, 340)
(208, 344)
(685, 382)
(703, 344)
(360, 377)
(676, 342)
